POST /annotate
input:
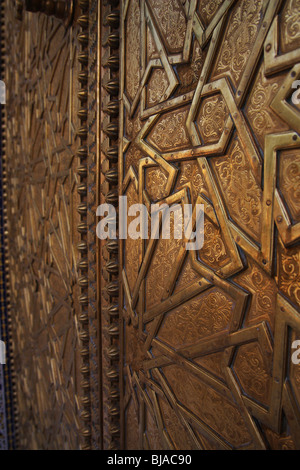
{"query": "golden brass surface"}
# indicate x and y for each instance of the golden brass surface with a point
(62, 9)
(138, 344)
(46, 232)
(206, 117)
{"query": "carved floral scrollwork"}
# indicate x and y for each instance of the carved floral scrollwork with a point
(204, 318)
(241, 33)
(158, 84)
(290, 282)
(214, 250)
(170, 131)
(291, 22)
(218, 413)
(197, 319)
(252, 373)
(189, 74)
(240, 189)
(290, 182)
(172, 22)
(161, 267)
(156, 181)
(190, 173)
(208, 9)
(259, 110)
(212, 118)
(263, 290)
(133, 38)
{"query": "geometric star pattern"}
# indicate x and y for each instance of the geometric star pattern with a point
(42, 108)
(207, 117)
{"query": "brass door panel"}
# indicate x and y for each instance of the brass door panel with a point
(143, 344)
(207, 115)
(46, 114)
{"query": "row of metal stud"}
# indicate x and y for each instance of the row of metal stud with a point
(110, 270)
(82, 153)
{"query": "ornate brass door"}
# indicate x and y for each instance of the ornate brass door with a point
(207, 116)
(46, 158)
(141, 344)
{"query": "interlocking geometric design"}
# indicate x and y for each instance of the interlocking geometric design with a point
(207, 117)
(42, 72)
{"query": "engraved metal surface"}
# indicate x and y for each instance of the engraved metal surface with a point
(108, 260)
(62, 277)
(141, 344)
(206, 115)
(46, 190)
(8, 412)
(62, 9)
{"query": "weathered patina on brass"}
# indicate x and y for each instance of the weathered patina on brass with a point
(207, 117)
(62, 9)
(138, 344)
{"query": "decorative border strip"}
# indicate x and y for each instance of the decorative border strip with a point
(98, 264)
(7, 370)
(83, 267)
(98, 267)
(109, 252)
(93, 166)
